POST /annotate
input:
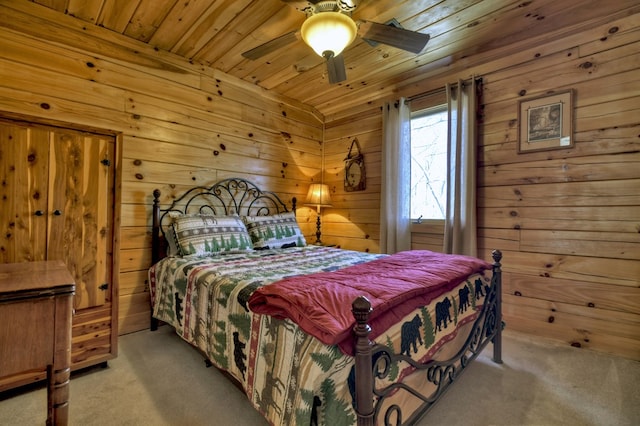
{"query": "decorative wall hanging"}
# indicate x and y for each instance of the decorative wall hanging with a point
(354, 173)
(546, 122)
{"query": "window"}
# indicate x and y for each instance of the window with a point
(429, 163)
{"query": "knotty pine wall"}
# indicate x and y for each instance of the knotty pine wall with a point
(179, 124)
(567, 221)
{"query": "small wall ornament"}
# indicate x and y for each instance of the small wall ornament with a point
(354, 171)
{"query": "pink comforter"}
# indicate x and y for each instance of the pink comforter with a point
(395, 285)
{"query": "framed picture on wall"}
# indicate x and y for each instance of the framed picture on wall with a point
(546, 122)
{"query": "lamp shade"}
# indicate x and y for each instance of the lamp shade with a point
(318, 195)
(328, 32)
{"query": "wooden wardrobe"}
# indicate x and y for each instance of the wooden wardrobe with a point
(57, 201)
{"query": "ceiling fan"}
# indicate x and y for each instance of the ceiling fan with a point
(329, 29)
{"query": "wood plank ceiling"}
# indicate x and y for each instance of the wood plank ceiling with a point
(463, 33)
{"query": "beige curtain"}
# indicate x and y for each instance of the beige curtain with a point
(460, 221)
(395, 201)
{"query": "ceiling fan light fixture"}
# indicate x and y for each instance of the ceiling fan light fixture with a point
(328, 32)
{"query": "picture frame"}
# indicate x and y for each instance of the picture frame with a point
(546, 122)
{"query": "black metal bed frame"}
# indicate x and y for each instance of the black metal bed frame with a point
(242, 197)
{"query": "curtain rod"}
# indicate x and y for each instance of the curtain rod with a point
(438, 90)
(425, 94)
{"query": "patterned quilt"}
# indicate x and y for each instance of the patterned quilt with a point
(289, 376)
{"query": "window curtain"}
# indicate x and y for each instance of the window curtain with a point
(460, 221)
(395, 203)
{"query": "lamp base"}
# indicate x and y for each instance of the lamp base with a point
(318, 233)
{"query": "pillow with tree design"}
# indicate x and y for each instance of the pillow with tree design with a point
(208, 234)
(275, 231)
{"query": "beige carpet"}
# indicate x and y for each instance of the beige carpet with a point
(158, 379)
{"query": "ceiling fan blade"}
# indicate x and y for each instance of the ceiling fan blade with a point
(301, 1)
(272, 46)
(301, 5)
(336, 69)
(411, 41)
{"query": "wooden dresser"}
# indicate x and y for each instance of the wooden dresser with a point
(36, 305)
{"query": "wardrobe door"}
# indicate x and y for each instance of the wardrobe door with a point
(81, 211)
(24, 174)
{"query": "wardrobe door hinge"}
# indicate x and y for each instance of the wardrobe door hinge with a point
(106, 162)
(104, 286)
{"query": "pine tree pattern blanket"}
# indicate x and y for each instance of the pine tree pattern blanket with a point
(291, 377)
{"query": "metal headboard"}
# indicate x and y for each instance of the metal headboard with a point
(226, 197)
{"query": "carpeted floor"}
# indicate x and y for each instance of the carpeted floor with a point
(158, 379)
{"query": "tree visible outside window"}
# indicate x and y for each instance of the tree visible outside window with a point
(429, 163)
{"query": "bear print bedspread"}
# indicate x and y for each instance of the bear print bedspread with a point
(290, 376)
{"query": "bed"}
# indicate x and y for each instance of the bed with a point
(312, 334)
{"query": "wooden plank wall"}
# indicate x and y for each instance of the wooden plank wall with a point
(567, 221)
(180, 124)
(354, 220)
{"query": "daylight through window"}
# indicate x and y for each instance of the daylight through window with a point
(429, 163)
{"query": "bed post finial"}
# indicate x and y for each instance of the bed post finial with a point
(497, 256)
(361, 308)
